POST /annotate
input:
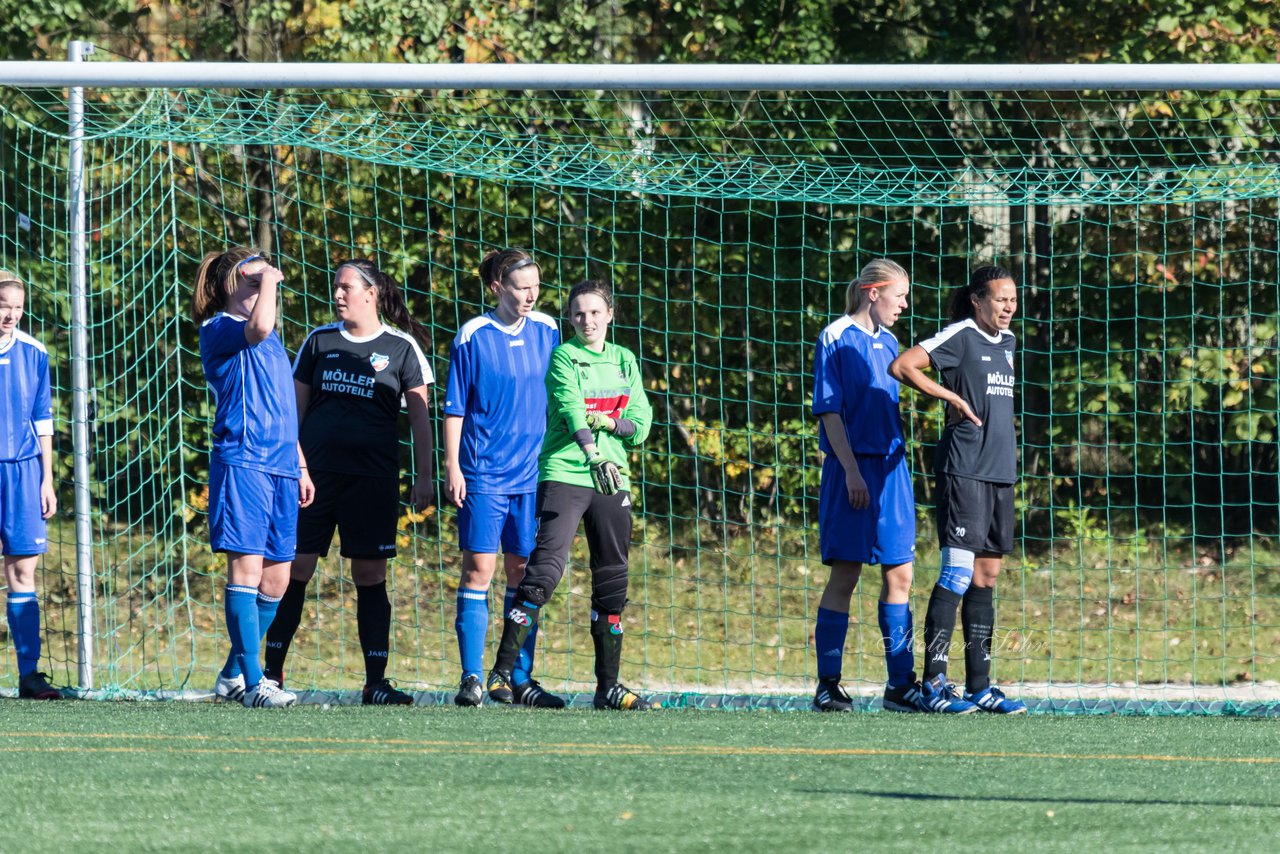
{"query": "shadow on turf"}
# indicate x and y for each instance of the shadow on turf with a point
(921, 796)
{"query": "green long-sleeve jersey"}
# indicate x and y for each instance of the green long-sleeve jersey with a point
(579, 381)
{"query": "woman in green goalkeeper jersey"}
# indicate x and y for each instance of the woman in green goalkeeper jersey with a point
(597, 413)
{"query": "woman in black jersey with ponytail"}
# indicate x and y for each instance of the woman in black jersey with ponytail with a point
(350, 377)
(976, 467)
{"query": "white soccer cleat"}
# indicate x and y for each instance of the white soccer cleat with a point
(268, 694)
(229, 690)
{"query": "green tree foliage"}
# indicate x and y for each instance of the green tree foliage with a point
(1149, 328)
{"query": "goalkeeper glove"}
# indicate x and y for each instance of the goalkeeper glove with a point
(599, 421)
(604, 473)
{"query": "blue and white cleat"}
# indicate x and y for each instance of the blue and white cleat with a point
(937, 697)
(993, 700)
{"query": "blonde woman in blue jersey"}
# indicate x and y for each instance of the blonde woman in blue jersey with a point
(495, 415)
(257, 476)
(27, 497)
(866, 506)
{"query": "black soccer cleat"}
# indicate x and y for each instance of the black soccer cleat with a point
(35, 686)
(623, 699)
(499, 687)
(470, 691)
(830, 697)
(902, 698)
(531, 694)
(385, 693)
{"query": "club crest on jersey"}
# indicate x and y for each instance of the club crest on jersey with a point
(1008, 357)
(380, 361)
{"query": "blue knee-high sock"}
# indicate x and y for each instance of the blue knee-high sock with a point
(472, 625)
(520, 674)
(899, 648)
(242, 626)
(828, 641)
(267, 606)
(23, 613)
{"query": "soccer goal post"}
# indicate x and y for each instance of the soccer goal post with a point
(729, 206)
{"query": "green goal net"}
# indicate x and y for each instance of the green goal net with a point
(1141, 226)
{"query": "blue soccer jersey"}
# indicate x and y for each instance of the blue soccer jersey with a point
(496, 383)
(851, 378)
(255, 425)
(27, 397)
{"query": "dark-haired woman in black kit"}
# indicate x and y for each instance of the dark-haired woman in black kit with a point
(351, 377)
(976, 468)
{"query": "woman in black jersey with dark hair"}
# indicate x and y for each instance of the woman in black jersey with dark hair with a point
(351, 377)
(976, 467)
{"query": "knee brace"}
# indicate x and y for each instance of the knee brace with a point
(957, 570)
(609, 589)
(534, 594)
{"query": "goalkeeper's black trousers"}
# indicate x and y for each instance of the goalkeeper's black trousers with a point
(607, 518)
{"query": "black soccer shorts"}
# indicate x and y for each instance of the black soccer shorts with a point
(365, 511)
(974, 515)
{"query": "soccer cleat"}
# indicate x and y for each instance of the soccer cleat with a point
(499, 687)
(902, 698)
(35, 686)
(622, 699)
(385, 693)
(937, 697)
(531, 694)
(470, 691)
(993, 700)
(268, 695)
(830, 697)
(229, 689)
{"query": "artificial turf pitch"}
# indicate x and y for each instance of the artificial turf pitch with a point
(183, 776)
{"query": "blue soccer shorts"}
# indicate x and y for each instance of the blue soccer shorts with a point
(883, 533)
(252, 512)
(22, 527)
(487, 521)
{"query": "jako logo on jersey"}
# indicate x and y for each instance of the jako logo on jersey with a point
(1008, 357)
(379, 361)
(960, 532)
(516, 342)
(520, 618)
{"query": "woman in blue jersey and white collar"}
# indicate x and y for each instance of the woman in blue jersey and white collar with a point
(257, 476)
(495, 415)
(27, 497)
(976, 468)
(866, 506)
(352, 377)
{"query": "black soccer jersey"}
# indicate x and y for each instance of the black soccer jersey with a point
(979, 368)
(357, 384)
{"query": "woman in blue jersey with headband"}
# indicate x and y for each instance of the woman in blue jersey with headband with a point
(866, 504)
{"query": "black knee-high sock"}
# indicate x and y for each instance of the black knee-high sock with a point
(939, 626)
(606, 635)
(373, 623)
(978, 614)
(283, 628)
(520, 619)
